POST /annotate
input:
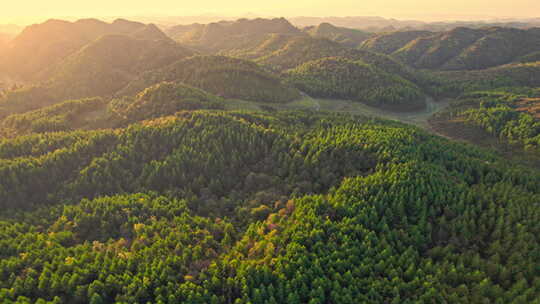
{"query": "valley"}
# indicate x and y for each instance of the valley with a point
(418, 118)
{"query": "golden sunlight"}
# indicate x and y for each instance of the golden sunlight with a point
(24, 11)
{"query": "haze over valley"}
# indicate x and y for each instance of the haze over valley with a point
(264, 159)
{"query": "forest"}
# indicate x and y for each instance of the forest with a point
(274, 208)
(231, 163)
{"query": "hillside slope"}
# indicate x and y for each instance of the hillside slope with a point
(507, 117)
(99, 69)
(346, 36)
(337, 77)
(469, 49)
(42, 45)
(283, 52)
(284, 208)
(109, 63)
(388, 43)
(455, 83)
(160, 100)
(228, 35)
(224, 76)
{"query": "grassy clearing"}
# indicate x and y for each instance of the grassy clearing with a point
(418, 118)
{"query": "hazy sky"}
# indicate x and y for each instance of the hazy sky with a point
(34, 10)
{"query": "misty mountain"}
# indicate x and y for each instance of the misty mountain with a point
(390, 42)
(223, 76)
(380, 24)
(346, 36)
(39, 46)
(251, 162)
(283, 52)
(225, 35)
(466, 49)
(100, 68)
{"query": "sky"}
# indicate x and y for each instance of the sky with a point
(24, 11)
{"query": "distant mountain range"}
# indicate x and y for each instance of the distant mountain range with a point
(40, 46)
(366, 23)
(380, 24)
(459, 49)
(59, 60)
(225, 35)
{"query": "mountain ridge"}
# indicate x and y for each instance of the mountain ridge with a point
(40, 45)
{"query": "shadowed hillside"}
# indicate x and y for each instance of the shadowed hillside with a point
(224, 76)
(345, 36)
(337, 77)
(454, 83)
(108, 64)
(283, 52)
(159, 100)
(226, 35)
(42, 45)
(469, 49)
(388, 43)
(99, 69)
(163, 99)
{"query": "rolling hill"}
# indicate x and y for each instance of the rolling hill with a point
(101, 68)
(388, 43)
(345, 36)
(163, 99)
(504, 119)
(341, 78)
(108, 64)
(65, 116)
(228, 35)
(224, 76)
(219, 179)
(159, 100)
(283, 52)
(215, 207)
(39, 46)
(455, 83)
(469, 49)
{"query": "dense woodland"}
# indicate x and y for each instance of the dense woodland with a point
(511, 115)
(224, 76)
(125, 178)
(337, 77)
(391, 214)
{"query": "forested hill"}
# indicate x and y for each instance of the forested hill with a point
(135, 169)
(337, 77)
(162, 99)
(458, 49)
(39, 46)
(264, 208)
(224, 76)
(283, 52)
(346, 36)
(109, 63)
(101, 68)
(456, 83)
(388, 43)
(220, 36)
